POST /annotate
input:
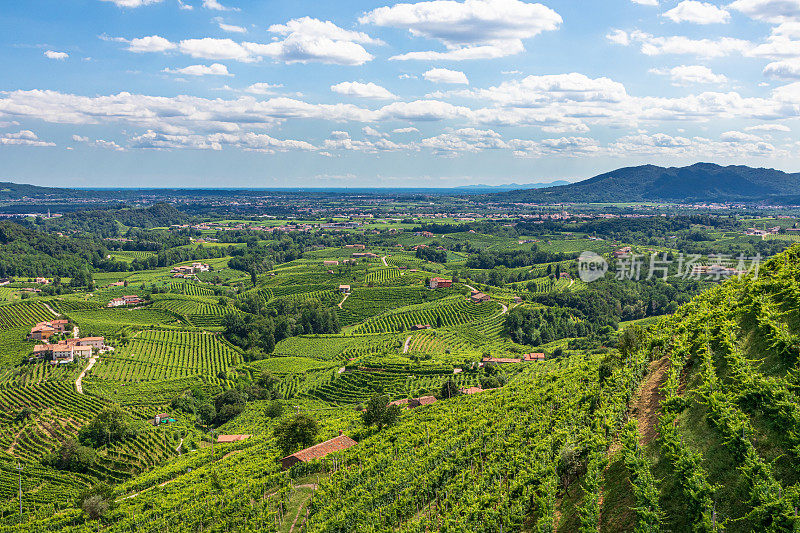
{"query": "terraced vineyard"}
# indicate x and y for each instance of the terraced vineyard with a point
(367, 302)
(445, 312)
(167, 355)
(202, 312)
(24, 314)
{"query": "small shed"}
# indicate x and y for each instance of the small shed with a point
(318, 451)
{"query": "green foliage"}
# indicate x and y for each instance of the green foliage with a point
(379, 413)
(295, 433)
(110, 425)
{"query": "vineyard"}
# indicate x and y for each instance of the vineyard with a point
(23, 314)
(167, 355)
(448, 311)
(364, 303)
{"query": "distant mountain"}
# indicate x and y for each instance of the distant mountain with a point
(10, 190)
(511, 186)
(701, 182)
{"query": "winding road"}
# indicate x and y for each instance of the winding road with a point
(405, 346)
(79, 381)
(384, 261)
(343, 299)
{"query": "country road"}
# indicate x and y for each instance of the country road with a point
(343, 299)
(384, 261)
(405, 346)
(79, 381)
(51, 310)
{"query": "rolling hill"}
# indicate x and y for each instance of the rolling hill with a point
(701, 182)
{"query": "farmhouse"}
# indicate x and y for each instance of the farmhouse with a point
(533, 357)
(622, 252)
(42, 281)
(318, 451)
(356, 246)
(500, 360)
(410, 403)
(194, 268)
(126, 300)
(222, 439)
(440, 283)
(417, 327)
(474, 390)
(364, 254)
(479, 297)
(330, 263)
(45, 330)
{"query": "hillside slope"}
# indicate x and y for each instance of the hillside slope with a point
(702, 182)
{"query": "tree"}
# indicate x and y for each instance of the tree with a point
(274, 409)
(630, 341)
(298, 432)
(449, 389)
(96, 501)
(108, 426)
(71, 456)
(379, 413)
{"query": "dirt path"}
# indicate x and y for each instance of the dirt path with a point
(343, 299)
(178, 449)
(51, 310)
(648, 402)
(79, 381)
(405, 346)
(384, 261)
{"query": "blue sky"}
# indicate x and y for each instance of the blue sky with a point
(435, 93)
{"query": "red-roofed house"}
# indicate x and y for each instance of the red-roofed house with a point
(533, 357)
(318, 451)
(231, 438)
(440, 283)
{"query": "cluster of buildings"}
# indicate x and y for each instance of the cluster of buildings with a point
(189, 270)
(67, 350)
(130, 299)
(365, 254)
(761, 233)
(44, 330)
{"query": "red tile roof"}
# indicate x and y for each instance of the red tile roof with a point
(232, 438)
(318, 451)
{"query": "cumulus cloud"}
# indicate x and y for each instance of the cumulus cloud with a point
(363, 90)
(405, 130)
(769, 127)
(786, 69)
(23, 138)
(443, 75)
(133, 3)
(774, 11)
(60, 56)
(215, 69)
(305, 40)
(263, 88)
(691, 74)
(680, 45)
(473, 29)
(697, 13)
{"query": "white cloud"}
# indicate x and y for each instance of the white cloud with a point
(133, 3)
(774, 11)
(23, 138)
(473, 29)
(215, 69)
(691, 74)
(369, 131)
(250, 142)
(98, 143)
(645, 2)
(230, 28)
(216, 6)
(50, 54)
(697, 13)
(306, 40)
(185, 6)
(151, 43)
(681, 45)
(262, 88)
(769, 127)
(443, 75)
(786, 69)
(405, 130)
(362, 90)
(464, 140)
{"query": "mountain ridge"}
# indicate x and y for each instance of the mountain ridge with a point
(700, 182)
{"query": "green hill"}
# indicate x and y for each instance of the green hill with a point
(702, 182)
